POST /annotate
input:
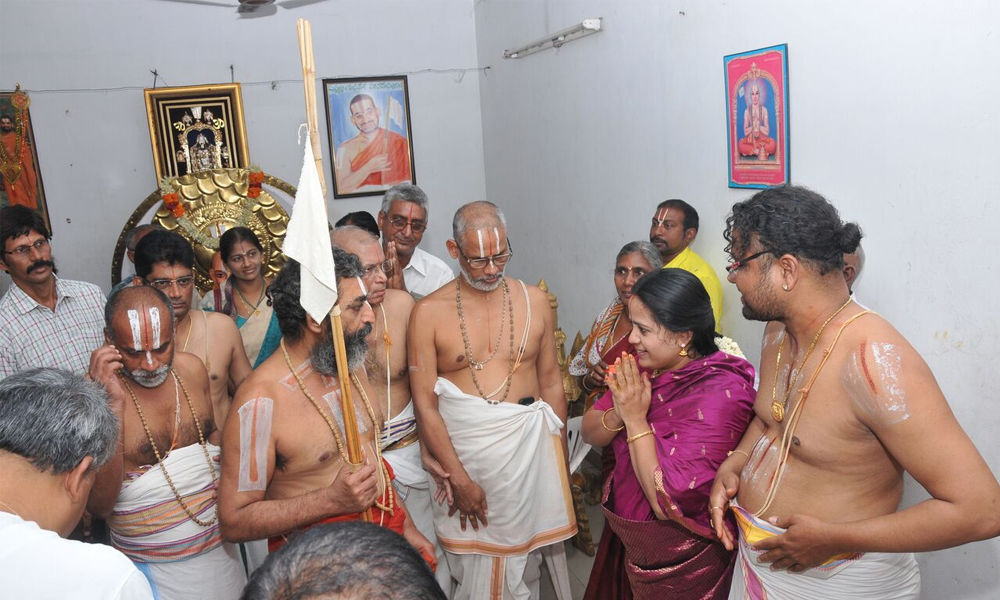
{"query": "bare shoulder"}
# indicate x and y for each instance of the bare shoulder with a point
(190, 367)
(220, 323)
(398, 301)
(261, 383)
(433, 306)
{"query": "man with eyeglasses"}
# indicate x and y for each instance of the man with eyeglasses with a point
(165, 261)
(490, 405)
(845, 406)
(386, 367)
(403, 220)
(45, 321)
(673, 230)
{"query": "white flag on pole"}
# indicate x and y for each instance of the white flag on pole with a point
(395, 112)
(308, 241)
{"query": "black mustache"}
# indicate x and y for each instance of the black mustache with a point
(41, 264)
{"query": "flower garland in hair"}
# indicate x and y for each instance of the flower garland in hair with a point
(729, 346)
(255, 177)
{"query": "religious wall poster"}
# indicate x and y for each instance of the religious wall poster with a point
(757, 115)
(195, 128)
(371, 147)
(20, 178)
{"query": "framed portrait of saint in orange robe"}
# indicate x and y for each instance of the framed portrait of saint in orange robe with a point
(371, 148)
(20, 177)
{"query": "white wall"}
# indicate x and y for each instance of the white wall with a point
(94, 149)
(893, 118)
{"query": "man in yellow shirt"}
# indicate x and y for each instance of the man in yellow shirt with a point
(675, 225)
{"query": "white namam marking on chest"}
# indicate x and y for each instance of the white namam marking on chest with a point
(875, 388)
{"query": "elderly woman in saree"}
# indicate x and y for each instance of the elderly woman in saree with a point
(607, 340)
(676, 407)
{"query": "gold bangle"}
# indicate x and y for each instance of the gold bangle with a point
(633, 438)
(605, 425)
(732, 452)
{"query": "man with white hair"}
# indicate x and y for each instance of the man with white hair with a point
(403, 220)
(490, 407)
(56, 431)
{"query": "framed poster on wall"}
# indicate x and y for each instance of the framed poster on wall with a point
(194, 128)
(757, 117)
(369, 132)
(20, 177)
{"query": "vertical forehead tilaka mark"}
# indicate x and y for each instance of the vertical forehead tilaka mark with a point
(133, 322)
(154, 321)
(496, 235)
(479, 234)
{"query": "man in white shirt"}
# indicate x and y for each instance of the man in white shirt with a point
(403, 220)
(56, 431)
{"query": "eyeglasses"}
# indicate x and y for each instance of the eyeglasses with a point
(736, 265)
(24, 250)
(165, 284)
(497, 260)
(385, 266)
(400, 223)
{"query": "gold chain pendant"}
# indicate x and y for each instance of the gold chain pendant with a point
(777, 411)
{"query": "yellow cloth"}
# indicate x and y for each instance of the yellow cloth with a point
(696, 265)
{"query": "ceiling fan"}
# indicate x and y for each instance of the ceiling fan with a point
(251, 7)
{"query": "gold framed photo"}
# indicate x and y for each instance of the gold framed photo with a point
(20, 176)
(196, 128)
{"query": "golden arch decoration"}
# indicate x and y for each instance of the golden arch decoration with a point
(214, 201)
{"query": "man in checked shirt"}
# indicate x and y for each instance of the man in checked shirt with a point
(45, 321)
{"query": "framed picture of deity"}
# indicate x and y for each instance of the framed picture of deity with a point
(20, 177)
(757, 117)
(196, 128)
(371, 148)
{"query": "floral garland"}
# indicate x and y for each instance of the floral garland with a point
(172, 202)
(171, 199)
(729, 346)
(255, 178)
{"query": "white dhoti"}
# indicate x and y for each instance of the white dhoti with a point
(181, 559)
(514, 453)
(402, 451)
(867, 576)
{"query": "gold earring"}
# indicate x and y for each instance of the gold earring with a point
(684, 351)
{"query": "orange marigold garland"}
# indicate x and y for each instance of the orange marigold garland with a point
(171, 199)
(255, 178)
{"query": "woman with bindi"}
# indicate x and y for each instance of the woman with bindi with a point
(675, 408)
(607, 340)
(245, 294)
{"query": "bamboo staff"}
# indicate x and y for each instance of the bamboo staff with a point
(337, 330)
(309, 87)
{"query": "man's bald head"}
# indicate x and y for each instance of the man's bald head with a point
(139, 321)
(346, 237)
(477, 215)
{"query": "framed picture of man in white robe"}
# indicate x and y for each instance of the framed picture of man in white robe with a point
(368, 121)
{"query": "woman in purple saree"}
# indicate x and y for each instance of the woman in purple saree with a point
(673, 413)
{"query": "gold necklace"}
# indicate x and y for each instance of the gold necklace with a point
(778, 408)
(253, 307)
(383, 472)
(159, 459)
(305, 392)
(477, 365)
(468, 347)
(336, 430)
